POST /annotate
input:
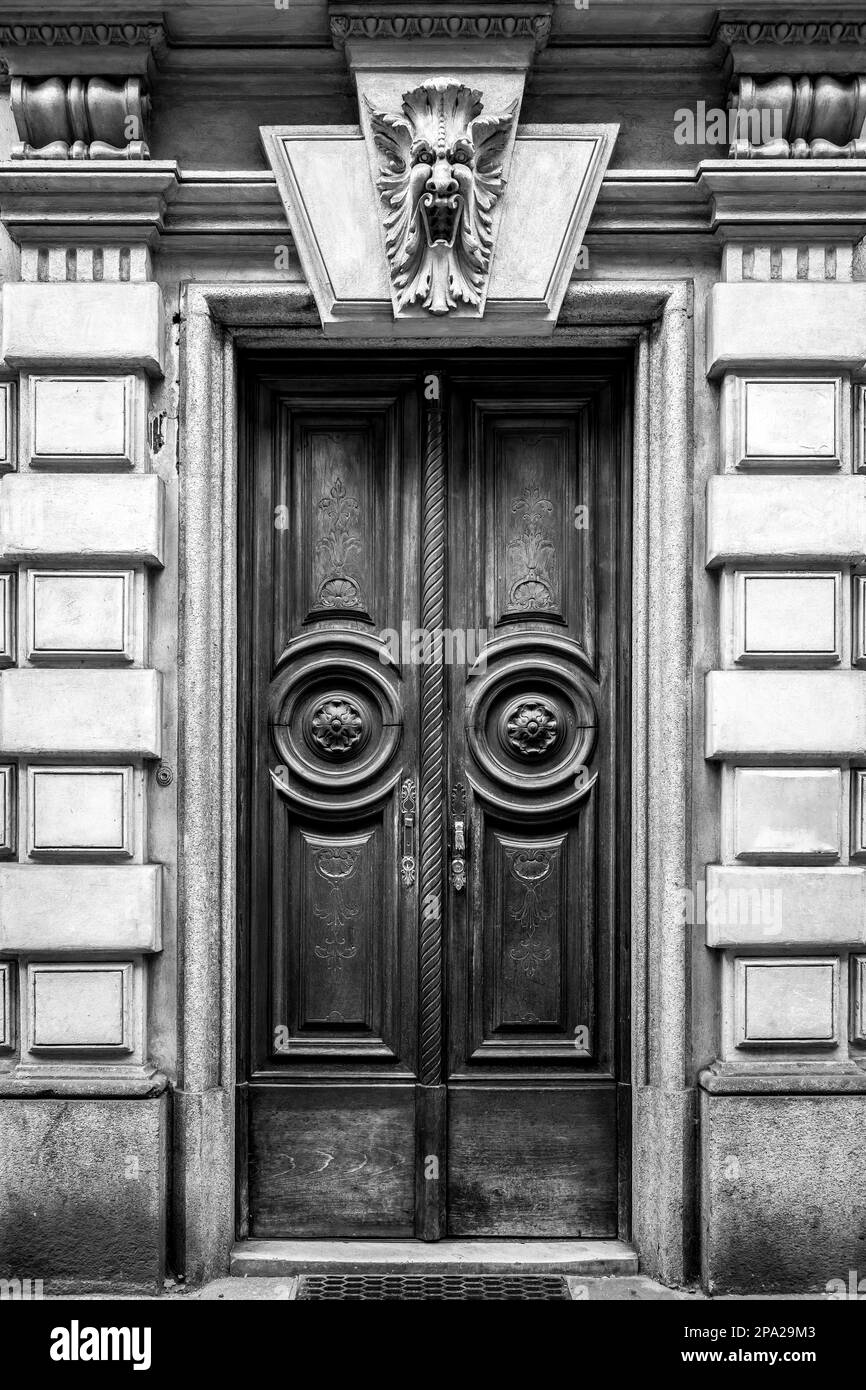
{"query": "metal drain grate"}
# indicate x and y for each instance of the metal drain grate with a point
(462, 1287)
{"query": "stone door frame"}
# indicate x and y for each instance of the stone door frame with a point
(655, 317)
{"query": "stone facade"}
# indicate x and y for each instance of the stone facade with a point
(176, 191)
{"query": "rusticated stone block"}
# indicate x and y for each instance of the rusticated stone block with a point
(83, 1192)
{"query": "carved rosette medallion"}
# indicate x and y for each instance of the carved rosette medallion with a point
(532, 728)
(337, 727)
(440, 178)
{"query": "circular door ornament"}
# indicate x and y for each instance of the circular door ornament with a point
(335, 716)
(532, 725)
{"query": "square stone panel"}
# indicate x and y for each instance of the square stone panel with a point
(785, 422)
(780, 1003)
(858, 999)
(83, 614)
(83, 421)
(79, 810)
(7, 618)
(786, 814)
(787, 618)
(80, 1008)
(858, 647)
(7, 1029)
(8, 810)
(858, 813)
(8, 451)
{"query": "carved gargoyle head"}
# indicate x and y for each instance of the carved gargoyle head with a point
(440, 177)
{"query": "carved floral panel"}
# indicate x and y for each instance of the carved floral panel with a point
(528, 930)
(335, 946)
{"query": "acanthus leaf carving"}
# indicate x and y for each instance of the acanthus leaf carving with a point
(334, 866)
(532, 554)
(340, 539)
(440, 178)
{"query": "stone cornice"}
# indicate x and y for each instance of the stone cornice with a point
(81, 50)
(458, 23)
(239, 212)
(801, 44)
(780, 33)
(56, 201)
(775, 200)
(81, 35)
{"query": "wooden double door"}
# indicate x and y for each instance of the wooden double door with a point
(433, 669)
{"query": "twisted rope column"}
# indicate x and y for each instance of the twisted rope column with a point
(432, 828)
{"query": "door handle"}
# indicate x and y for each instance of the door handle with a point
(458, 837)
(407, 814)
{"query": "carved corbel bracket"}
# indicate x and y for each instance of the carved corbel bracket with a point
(77, 118)
(799, 118)
(798, 89)
(62, 108)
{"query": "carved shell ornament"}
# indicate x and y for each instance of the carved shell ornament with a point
(440, 178)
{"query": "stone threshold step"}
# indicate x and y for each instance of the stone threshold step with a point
(258, 1258)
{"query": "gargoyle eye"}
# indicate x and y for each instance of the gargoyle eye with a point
(461, 153)
(423, 154)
